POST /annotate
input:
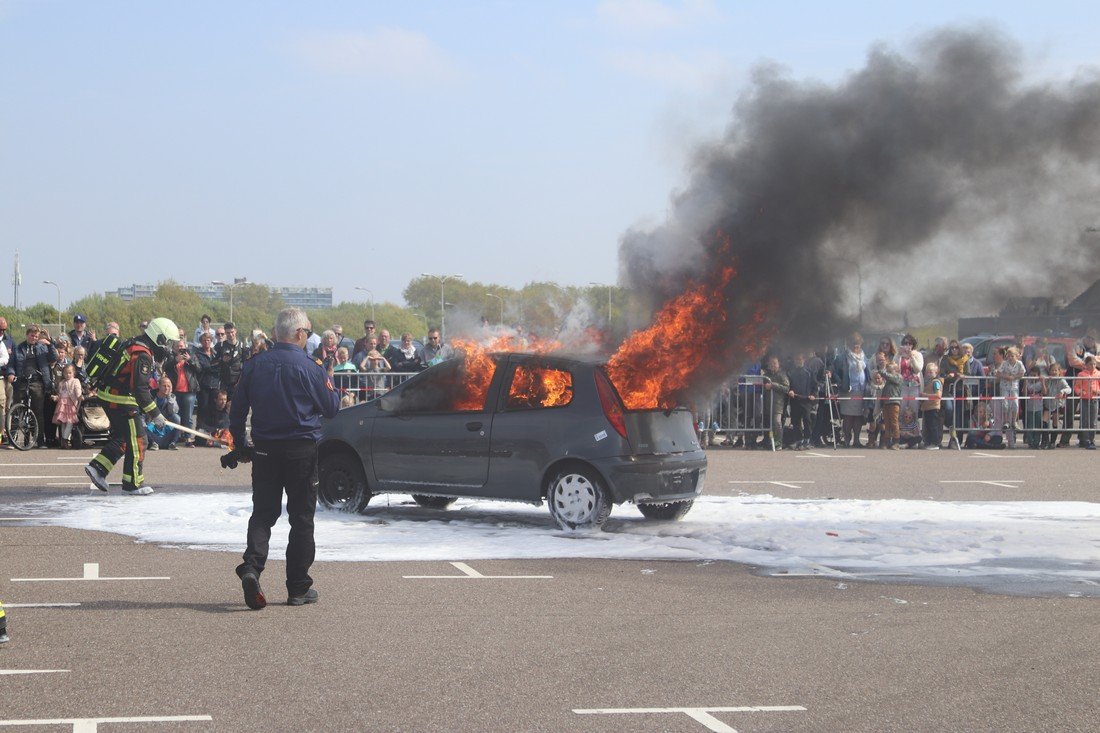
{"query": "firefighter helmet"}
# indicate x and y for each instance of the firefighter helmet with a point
(161, 332)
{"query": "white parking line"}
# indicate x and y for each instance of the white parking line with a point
(32, 671)
(1008, 483)
(90, 725)
(699, 715)
(40, 605)
(16, 519)
(815, 454)
(785, 484)
(979, 454)
(14, 478)
(91, 572)
(468, 572)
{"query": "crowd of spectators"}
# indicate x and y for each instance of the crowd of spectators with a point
(898, 396)
(195, 383)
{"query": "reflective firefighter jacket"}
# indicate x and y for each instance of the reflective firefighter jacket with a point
(130, 387)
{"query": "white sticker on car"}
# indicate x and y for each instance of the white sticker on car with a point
(600, 435)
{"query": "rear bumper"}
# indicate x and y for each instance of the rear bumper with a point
(671, 477)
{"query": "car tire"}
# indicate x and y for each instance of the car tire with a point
(342, 483)
(666, 511)
(577, 498)
(433, 502)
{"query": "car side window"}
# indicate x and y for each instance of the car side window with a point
(535, 387)
(458, 385)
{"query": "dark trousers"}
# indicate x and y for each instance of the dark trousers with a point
(278, 466)
(38, 402)
(801, 418)
(932, 428)
(125, 440)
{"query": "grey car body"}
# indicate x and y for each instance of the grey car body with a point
(413, 440)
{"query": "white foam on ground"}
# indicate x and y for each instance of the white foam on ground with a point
(1032, 547)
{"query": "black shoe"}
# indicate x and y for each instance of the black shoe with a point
(253, 596)
(310, 596)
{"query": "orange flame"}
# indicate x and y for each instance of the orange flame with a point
(686, 346)
(538, 386)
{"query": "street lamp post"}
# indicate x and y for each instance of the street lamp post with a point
(371, 300)
(60, 322)
(230, 286)
(603, 285)
(442, 303)
(421, 315)
(501, 299)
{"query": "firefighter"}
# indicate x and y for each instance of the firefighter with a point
(129, 397)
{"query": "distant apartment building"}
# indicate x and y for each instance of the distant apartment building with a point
(298, 297)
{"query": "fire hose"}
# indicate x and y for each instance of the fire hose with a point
(231, 459)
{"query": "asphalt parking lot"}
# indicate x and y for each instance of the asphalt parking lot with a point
(149, 635)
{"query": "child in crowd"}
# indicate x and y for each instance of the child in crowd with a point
(982, 436)
(931, 395)
(909, 426)
(68, 396)
(891, 406)
(1035, 418)
(874, 392)
(1006, 401)
(1055, 392)
(1087, 389)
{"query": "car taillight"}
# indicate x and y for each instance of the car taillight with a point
(612, 410)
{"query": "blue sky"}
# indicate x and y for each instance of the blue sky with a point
(351, 144)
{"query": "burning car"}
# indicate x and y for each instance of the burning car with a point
(520, 427)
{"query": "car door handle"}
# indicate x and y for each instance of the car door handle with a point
(473, 427)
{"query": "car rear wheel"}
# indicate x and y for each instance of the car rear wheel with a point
(577, 498)
(669, 510)
(342, 484)
(433, 502)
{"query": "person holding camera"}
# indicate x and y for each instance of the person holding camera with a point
(184, 374)
(29, 370)
(287, 393)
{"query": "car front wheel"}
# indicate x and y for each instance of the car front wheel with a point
(577, 498)
(342, 484)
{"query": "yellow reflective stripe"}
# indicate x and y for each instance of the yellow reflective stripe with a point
(117, 399)
(148, 408)
(104, 461)
(135, 447)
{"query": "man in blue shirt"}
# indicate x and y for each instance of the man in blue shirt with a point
(288, 393)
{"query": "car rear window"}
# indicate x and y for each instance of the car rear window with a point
(535, 387)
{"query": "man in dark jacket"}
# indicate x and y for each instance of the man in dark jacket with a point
(803, 394)
(29, 370)
(80, 335)
(229, 356)
(287, 393)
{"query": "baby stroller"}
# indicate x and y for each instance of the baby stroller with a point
(93, 425)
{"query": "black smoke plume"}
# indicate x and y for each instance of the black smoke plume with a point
(943, 178)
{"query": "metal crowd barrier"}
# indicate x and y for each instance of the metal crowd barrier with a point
(356, 387)
(742, 412)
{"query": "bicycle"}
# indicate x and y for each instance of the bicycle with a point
(23, 428)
